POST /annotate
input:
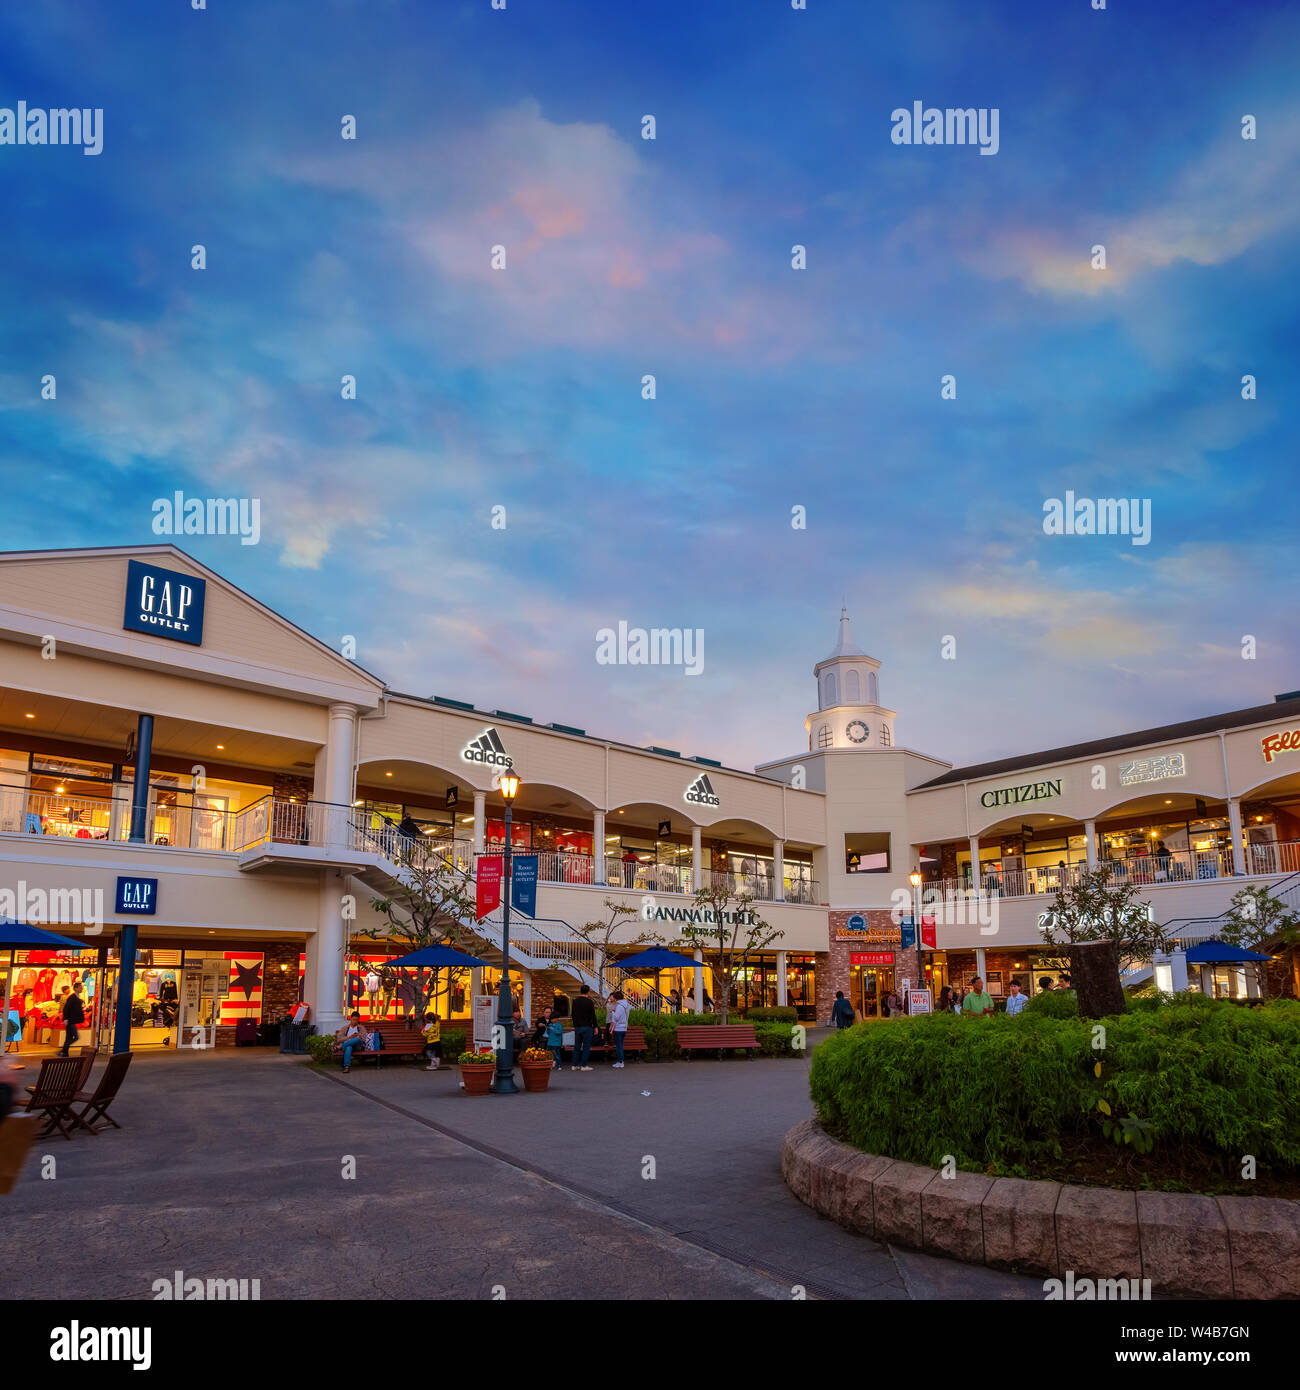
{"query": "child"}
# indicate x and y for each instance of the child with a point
(432, 1041)
(555, 1041)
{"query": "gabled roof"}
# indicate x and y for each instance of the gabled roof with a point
(81, 591)
(1165, 733)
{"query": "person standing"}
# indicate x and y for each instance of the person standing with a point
(1015, 1000)
(674, 1002)
(555, 1040)
(945, 1000)
(618, 1024)
(842, 1014)
(74, 1015)
(584, 1028)
(977, 1004)
(432, 1041)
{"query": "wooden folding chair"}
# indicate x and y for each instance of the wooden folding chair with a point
(54, 1092)
(17, 1135)
(95, 1103)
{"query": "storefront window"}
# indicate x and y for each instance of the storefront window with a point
(866, 853)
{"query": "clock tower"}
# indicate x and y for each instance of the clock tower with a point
(849, 713)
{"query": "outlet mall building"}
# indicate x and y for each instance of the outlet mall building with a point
(222, 792)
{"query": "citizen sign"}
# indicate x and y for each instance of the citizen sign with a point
(164, 603)
(1016, 796)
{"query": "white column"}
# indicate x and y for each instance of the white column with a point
(527, 1006)
(119, 811)
(979, 962)
(975, 861)
(699, 980)
(598, 848)
(697, 882)
(778, 870)
(1090, 840)
(480, 821)
(1234, 822)
(323, 980)
(1178, 971)
(780, 978)
(333, 780)
(475, 988)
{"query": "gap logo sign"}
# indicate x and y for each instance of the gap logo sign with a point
(137, 897)
(165, 603)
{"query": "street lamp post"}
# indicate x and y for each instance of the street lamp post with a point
(914, 878)
(505, 1071)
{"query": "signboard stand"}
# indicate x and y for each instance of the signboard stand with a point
(485, 1016)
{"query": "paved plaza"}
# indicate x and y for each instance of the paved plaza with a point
(231, 1166)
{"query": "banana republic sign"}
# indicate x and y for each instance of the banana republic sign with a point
(697, 916)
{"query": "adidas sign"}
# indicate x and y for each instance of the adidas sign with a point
(487, 748)
(701, 792)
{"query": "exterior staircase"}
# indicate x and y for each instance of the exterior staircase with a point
(547, 947)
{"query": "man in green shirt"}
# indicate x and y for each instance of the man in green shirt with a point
(976, 1003)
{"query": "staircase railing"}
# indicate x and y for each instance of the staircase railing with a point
(566, 951)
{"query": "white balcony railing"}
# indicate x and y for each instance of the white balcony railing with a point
(1177, 866)
(109, 819)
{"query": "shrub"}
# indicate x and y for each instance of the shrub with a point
(453, 1041)
(775, 1039)
(1054, 1003)
(661, 1031)
(321, 1048)
(1001, 1092)
(779, 1013)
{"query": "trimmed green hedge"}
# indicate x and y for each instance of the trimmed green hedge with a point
(1001, 1092)
(777, 1013)
(775, 1039)
(1054, 1003)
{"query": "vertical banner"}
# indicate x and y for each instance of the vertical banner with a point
(523, 884)
(908, 926)
(927, 931)
(487, 887)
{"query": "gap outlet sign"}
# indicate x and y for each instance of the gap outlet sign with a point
(164, 603)
(137, 896)
(701, 792)
(487, 748)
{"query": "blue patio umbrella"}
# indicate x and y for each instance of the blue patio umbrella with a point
(1216, 952)
(656, 958)
(21, 936)
(434, 958)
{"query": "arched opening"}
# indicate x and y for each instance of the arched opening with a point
(853, 688)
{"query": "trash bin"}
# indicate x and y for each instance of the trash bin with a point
(286, 1036)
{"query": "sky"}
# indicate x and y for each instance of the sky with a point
(775, 388)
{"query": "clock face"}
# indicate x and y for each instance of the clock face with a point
(857, 731)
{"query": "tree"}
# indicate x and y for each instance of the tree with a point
(434, 905)
(1093, 911)
(599, 934)
(1258, 921)
(733, 932)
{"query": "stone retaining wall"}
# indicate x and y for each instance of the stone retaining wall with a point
(1186, 1245)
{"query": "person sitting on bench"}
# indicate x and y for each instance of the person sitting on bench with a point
(352, 1036)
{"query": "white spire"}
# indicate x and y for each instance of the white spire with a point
(846, 645)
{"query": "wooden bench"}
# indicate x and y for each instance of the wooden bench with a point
(633, 1041)
(716, 1037)
(399, 1041)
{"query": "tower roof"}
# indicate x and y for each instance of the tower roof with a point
(846, 646)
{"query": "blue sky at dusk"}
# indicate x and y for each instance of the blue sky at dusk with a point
(775, 387)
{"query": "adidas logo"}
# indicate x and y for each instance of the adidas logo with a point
(487, 748)
(701, 792)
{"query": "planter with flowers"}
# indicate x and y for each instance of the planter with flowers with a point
(536, 1064)
(476, 1071)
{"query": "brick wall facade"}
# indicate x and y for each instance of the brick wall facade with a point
(279, 987)
(837, 971)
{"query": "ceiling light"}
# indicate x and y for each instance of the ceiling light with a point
(388, 774)
(29, 716)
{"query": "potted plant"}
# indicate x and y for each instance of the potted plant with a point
(476, 1071)
(536, 1064)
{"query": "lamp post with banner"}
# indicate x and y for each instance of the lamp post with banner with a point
(504, 1084)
